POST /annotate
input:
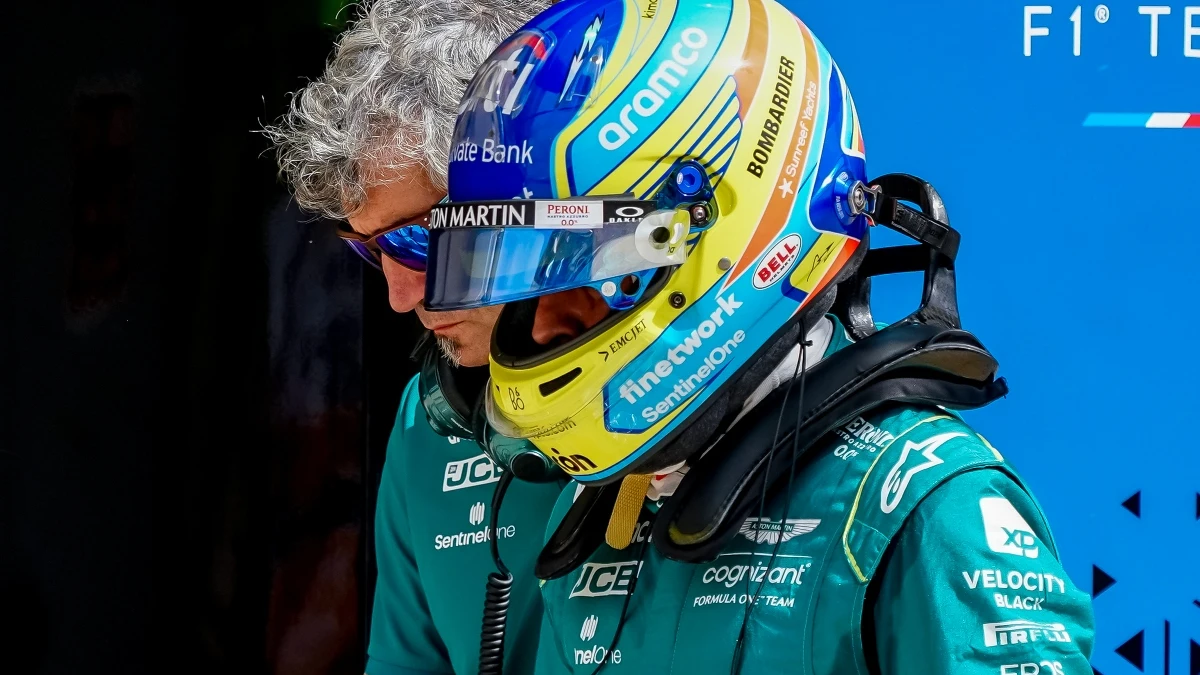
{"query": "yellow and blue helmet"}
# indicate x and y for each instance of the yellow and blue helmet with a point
(692, 161)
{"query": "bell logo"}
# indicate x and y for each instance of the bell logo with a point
(477, 511)
(588, 631)
(776, 263)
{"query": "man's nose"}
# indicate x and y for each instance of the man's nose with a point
(406, 288)
(566, 315)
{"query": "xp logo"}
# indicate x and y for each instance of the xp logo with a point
(476, 515)
(588, 630)
(501, 83)
(574, 463)
(470, 472)
(1005, 529)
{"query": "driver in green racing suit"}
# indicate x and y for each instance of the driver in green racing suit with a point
(674, 207)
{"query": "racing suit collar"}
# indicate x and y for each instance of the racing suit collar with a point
(665, 482)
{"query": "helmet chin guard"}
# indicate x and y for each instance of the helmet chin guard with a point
(924, 359)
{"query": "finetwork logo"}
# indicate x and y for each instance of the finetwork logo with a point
(1005, 529)
(476, 516)
(767, 531)
(1020, 631)
(637, 388)
(588, 630)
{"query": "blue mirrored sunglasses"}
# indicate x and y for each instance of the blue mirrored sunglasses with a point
(406, 243)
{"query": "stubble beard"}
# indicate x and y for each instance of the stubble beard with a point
(451, 349)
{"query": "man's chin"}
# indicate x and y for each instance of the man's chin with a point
(458, 355)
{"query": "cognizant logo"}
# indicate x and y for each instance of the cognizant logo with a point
(694, 343)
(660, 86)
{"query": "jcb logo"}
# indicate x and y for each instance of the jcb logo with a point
(600, 579)
(478, 470)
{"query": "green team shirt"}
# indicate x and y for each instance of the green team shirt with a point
(910, 546)
(432, 546)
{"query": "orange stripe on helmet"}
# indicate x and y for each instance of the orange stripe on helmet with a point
(779, 208)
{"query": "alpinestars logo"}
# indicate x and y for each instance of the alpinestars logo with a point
(896, 483)
(767, 531)
(1020, 631)
(588, 630)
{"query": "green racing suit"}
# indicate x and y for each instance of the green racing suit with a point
(432, 539)
(909, 546)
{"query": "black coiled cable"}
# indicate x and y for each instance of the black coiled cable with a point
(498, 596)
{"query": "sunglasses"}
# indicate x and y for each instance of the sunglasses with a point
(406, 243)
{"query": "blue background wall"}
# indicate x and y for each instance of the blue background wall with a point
(1078, 269)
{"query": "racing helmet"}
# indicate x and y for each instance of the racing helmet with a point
(696, 163)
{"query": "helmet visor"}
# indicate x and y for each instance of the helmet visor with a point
(487, 253)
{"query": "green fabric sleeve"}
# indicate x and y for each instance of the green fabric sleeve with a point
(974, 584)
(403, 638)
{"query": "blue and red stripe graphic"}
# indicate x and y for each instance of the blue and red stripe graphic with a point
(1152, 120)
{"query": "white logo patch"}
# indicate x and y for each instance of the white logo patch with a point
(767, 531)
(1006, 531)
(1021, 631)
(895, 484)
(588, 631)
(477, 511)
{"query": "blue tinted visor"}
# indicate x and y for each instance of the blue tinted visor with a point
(488, 253)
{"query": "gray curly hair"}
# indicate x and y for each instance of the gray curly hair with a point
(388, 98)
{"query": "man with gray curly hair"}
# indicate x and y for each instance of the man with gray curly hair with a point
(367, 144)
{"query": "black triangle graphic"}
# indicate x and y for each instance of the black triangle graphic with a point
(1134, 504)
(1096, 671)
(1133, 650)
(1100, 581)
(1195, 669)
